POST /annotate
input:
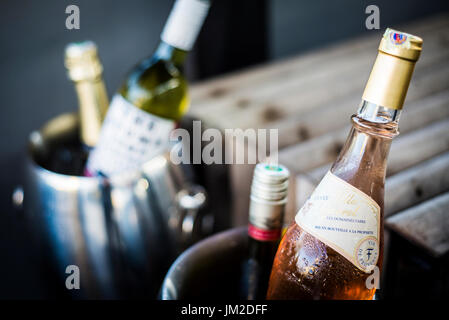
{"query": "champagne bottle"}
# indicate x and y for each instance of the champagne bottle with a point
(266, 216)
(153, 97)
(334, 248)
(69, 152)
(85, 70)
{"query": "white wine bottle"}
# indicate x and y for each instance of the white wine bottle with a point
(154, 96)
(85, 70)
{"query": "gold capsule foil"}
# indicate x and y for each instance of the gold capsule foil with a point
(85, 69)
(392, 71)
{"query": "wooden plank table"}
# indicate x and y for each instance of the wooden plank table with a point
(309, 99)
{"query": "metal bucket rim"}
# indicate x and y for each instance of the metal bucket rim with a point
(124, 179)
(193, 252)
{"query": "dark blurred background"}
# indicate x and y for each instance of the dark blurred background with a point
(236, 35)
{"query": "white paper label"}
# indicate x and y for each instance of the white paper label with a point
(184, 23)
(345, 219)
(129, 137)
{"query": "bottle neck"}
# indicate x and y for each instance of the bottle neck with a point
(262, 251)
(93, 104)
(389, 81)
(363, 159)
(184, 23)
(170, 53)
(268, 198)
(85, 70)
(265, 220)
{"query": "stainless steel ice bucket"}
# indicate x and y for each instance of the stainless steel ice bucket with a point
(121, 233)
(209, 270)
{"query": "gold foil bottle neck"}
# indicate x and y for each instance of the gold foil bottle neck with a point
(82, 62)
(85, 70)
(392, 71)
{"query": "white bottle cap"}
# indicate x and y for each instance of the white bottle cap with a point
(268, 199)
(184, 23)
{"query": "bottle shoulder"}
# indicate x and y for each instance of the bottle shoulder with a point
(158, 87)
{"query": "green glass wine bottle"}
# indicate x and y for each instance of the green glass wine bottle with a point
(152, 99)
(266, 216)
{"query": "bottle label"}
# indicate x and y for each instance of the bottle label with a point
(129, 137)
(184, 23)
(345, 219)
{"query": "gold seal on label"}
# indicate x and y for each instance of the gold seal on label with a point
(367, 253)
